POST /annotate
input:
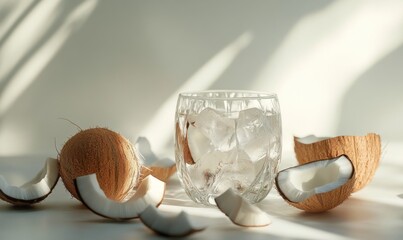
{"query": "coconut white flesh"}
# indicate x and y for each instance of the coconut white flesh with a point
(173, 226)
(150, 192)
(34, 190)
(240, 211)
(301, 182)
(310, 139)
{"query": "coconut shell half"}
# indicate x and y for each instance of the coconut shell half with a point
(363, 151)
(322, 197)
(325, 201)
(33, 191)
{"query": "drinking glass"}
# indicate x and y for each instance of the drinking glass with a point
(227, 139)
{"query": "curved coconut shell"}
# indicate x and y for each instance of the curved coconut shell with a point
(363, 151)
(39, 188)
(183, 142)
(323, 201)
(162, 173)
(104, 152)
(161, 168)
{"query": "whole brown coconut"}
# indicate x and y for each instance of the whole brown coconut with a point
(104, 152)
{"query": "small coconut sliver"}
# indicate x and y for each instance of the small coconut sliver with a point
(179, 225)
(240, 211)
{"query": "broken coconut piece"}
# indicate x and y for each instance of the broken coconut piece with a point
(171, 226)
(317, 186)
(183, 145)
(162, 169)
(150, 192)
(363, 151)
(240, 211)
(33, 191)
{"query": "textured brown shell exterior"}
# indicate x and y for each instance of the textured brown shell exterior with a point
(363, 151)
(104, 152)
(324, 201)
(162, 173)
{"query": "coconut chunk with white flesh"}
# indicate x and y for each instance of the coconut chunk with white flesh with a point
(317, 186)
(240, 211)
(150, 192)
(299, 183)
(179, 225)
(161, 168)
(35, 190)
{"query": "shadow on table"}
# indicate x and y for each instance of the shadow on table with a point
(226, 233)
(357, 218)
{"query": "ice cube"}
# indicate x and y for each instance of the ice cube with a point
(220, 130)
(198, 143)
(238, 174)
(253, 133)
(208, 168)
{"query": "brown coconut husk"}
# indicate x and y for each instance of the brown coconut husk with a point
(104, 152)
(363, 151)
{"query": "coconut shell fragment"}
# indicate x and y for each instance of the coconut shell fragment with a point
(162, 173)
(161, 168)
(33, 191)
(323, 202)
(240, 211)
(179, 225)
(363, 151)
(150, 192)
(182, 141)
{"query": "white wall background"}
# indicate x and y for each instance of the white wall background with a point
(337, 66)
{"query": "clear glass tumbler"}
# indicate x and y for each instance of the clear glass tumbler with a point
(227, 139)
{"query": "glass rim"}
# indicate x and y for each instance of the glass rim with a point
(246, 94)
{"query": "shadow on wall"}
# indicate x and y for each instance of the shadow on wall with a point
(374, 103)
(128, 58)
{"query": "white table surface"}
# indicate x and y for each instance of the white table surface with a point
(376, 212)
